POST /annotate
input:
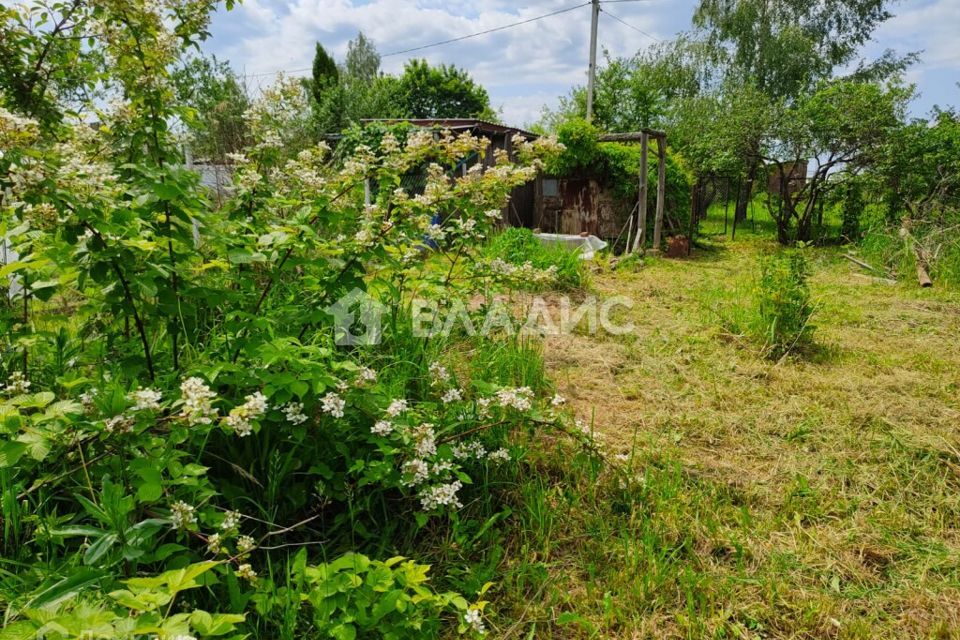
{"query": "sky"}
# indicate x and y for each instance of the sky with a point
(526, 67)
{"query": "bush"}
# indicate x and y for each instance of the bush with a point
(618, 165)
(783, 308)
(518, 246)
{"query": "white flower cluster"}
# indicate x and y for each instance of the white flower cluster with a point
(526, 271)
(293, 412)
(87, 397)
(182, 514)
(441, 495)
(214, 543)
(366, 375)
(246, 572)
(197, 399)
(451, 395)
(417, 472)
(231, 520)
(439, 373)
(424, 438)
(474, 619)
(333, 404)
(144, 399)
(240, 419)
(558, 400)
(119, 424)
(245, 544)
(382, 428)
(396, 408)
(520, 398)
(17, 384)
(499, 456)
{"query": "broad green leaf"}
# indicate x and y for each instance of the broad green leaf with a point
(10, 453)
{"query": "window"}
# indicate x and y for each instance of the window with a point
(551, 187)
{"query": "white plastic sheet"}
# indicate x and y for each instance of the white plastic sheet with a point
(586, 245)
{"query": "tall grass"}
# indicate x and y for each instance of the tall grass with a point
(518, 246)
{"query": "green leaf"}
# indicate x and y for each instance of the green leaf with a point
(149, 491)
(214, 625)
(21, 630)
(98, 549)
(64, 589)
(343, 632)
(10, 452)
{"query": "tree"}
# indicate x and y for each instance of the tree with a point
(843, 126)
(217, 101)
(630, 93)
(325, 74)
(43, 63)
(783, 48)
(441, 92)
(363, 60)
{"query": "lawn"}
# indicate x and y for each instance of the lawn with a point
(811, 497)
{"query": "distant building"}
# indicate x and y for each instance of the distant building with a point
(795, 173)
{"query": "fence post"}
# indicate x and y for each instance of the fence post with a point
(661, 190)
(640, 241)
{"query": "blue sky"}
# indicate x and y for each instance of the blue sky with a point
(527, 67)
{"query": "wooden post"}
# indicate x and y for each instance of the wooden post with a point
(640, 241)
(661, 189)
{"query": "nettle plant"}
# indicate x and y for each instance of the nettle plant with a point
(177, 414)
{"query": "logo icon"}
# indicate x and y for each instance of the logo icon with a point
(357, 319)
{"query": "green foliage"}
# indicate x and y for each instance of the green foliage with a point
(851, 210)
(618, 165)
(354, 596)
(783, 304)
(217, 101)
(324, 75)
(178, 408)
(441, 92)
(518, 246)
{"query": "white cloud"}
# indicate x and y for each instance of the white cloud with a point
(523, 67)
(527, 66)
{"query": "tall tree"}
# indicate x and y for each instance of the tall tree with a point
(325, 73)
(783, 49)
(363, 60)
(441, 92)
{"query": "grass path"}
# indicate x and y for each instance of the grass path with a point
(811, 498)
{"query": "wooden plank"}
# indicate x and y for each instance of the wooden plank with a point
(641, 238)
(635, 136)
(661, 191)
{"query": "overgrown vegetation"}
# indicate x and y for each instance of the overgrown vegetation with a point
(520, 248)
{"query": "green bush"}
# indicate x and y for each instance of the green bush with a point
(618, 165)
(783, 307)
(518, 246)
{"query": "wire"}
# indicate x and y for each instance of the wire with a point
(625, 23)
(483, 33)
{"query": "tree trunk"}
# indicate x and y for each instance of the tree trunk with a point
(746, 194)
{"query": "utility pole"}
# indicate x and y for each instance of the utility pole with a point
(592, 72)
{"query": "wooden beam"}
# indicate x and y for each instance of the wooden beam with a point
(640, 240)
(661, 191)
(635, 136)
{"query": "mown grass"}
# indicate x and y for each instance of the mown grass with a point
(814, 497)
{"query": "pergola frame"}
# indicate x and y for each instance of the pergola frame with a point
(643, 137)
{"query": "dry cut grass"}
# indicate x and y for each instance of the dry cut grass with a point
(816, 497)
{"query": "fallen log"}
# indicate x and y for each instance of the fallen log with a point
(923, 278)
(861, 263)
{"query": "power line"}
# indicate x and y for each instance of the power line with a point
(483, 33)
(449, 40)
(627, 24)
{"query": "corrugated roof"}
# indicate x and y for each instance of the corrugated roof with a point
(457, 124)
